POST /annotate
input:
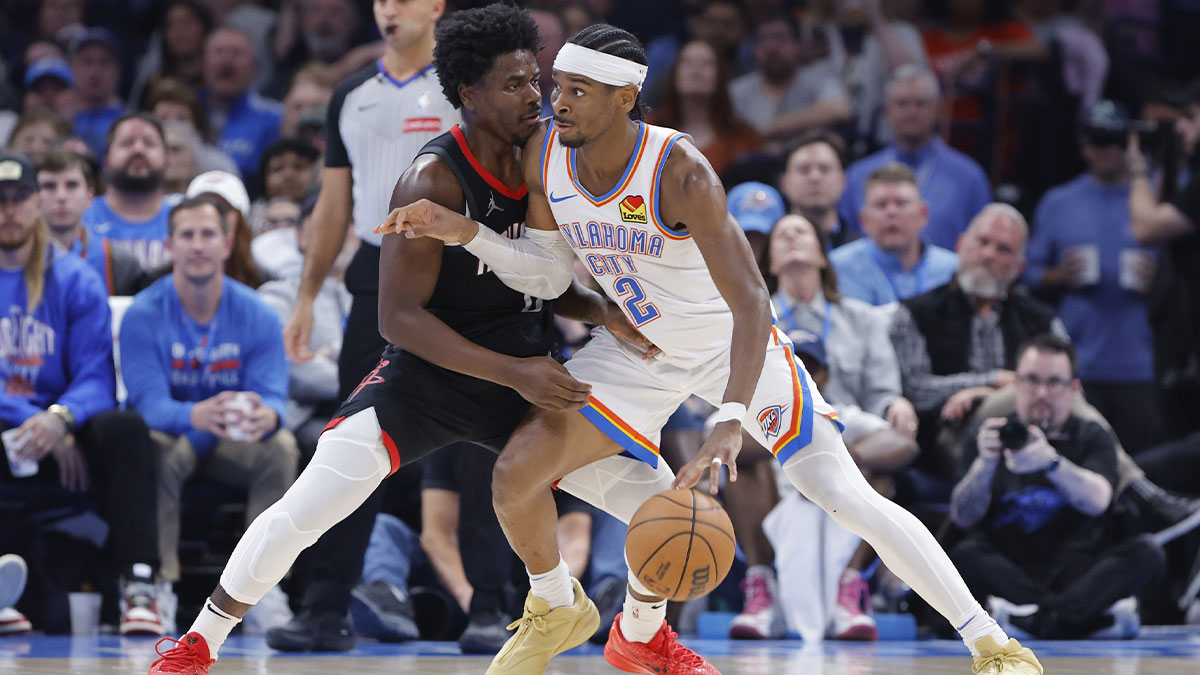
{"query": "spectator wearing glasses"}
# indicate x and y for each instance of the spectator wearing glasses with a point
(1083, 253)
(1034, 496)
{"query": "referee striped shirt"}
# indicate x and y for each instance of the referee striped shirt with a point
(376, 125)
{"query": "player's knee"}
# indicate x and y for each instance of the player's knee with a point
(506, 481)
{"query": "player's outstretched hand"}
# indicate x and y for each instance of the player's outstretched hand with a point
(424, 218)
(545, 383)
(722, 447)
(618, 324)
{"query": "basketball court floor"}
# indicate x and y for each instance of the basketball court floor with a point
(1163, 652)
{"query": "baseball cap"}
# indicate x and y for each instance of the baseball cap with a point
(50, 66)
(1105, 116)
(89, 35)
(225, 185)
(809, 344)
(18, 169)
(756, 206)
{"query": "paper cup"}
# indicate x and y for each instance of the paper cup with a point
(85, 613)
(14, 440)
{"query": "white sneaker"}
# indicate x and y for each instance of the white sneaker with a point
(139, 609)
(1127, 623)
(168, 604)
(13, 622)
(271, 611)
(1002, 611)
(852, 618)
(761, 618)
(13, 575)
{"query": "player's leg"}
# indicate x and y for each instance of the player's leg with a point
(789, 417)
(351, 461)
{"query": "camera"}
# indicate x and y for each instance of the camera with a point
(1014, 435)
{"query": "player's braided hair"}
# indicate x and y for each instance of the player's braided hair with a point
(468, 41)
(612, 40)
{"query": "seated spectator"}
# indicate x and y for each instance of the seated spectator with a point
(176, 49)
(183, 150)
(203, 360)
(313, 384)
(50, 84)
(97, 70)
(958, 342)
(756, 207)
(1083, 254)
(318, 31)
(287, 169)
(67, 187)
(279, 249)
(132, 212)
(170, 101)
(58, 404)
(860, 377)
(39, 130)
(782, 98)
(894, 261)
(312, 86)
(696, 102)
(1034, 497)
(952, 183)
(245, 123)
(231, 194)
(958, 49)
(813, 183)
(865, 47)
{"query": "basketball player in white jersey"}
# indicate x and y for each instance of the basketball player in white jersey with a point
(643, 210)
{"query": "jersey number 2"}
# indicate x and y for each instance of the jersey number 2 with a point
(641, 311)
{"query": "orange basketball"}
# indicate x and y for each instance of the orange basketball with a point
(680, 544)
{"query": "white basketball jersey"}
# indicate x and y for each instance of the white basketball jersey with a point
(656, 275)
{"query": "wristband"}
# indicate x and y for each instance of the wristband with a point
(1053, 465)
(731, 410)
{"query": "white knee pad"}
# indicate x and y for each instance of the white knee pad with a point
(350, 463)
(618, 485)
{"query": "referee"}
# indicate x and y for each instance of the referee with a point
(378, 119)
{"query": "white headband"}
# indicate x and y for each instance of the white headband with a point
(599, 66)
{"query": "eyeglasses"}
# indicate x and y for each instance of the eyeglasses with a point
(273, 223)
(1033, 382)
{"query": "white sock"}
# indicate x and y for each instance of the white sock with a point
(554, 586)
(641, 621)
(978, 624)
(214, 625)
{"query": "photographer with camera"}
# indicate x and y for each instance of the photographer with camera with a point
(1083, 256)
(1173, 221)
(1034, 500)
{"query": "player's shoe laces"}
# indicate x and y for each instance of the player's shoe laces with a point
(761, 619)
(543, 632)
(1009, 659)
(852, 617)
(189, 656)
(662, 654)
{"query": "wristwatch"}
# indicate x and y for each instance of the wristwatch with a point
(1053, 465)
(63, 413)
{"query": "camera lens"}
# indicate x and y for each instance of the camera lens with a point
(1014, 435)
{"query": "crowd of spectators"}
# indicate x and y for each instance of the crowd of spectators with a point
(978, 219)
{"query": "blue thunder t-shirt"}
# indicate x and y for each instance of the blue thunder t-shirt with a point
(147, 240)
(169, 361)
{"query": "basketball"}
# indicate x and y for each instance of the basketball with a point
(680, 544)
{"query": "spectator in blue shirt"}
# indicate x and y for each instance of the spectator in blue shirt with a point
(202, 357)
(892, 262)
(814, 181)
(952, 183)
(97, 71)
(57, 405)
(246, 123)
(132, 213)
(1083, 248)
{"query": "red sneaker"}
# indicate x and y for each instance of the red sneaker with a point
(660, 656)
(189, 656)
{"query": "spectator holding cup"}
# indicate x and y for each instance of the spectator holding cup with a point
(1083, 254)
(202, 357)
